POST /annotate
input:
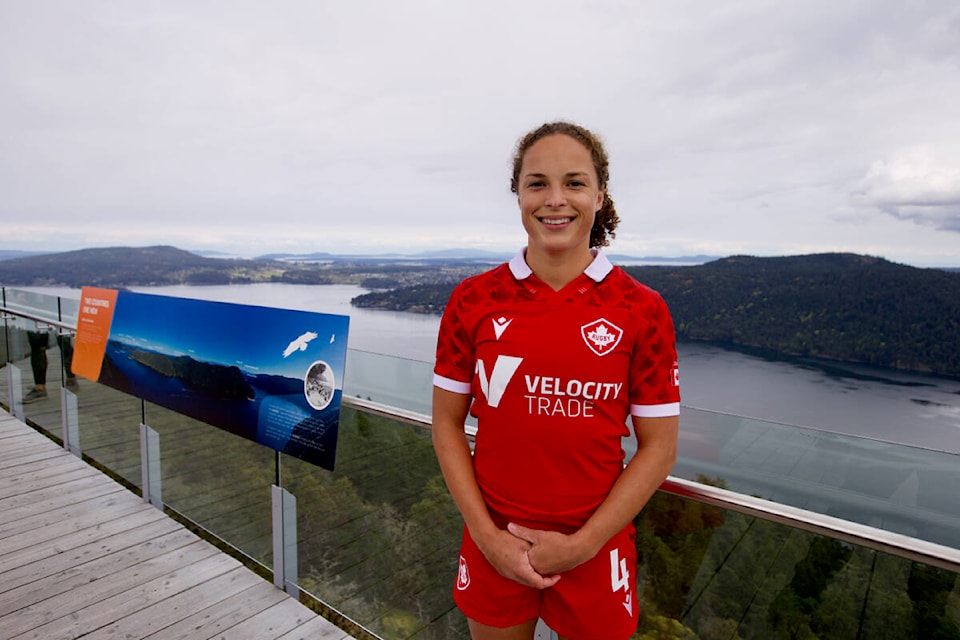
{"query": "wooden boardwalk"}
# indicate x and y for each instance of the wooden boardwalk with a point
(82, 556)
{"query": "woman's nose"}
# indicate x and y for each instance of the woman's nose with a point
(555, 197)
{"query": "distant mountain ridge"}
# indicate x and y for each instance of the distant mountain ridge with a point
(114, 267)
(844, 307)
(121, 266)
(833, 306)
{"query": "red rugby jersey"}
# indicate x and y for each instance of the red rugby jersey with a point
(553, 376)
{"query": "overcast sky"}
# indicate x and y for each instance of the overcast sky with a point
(754, 127)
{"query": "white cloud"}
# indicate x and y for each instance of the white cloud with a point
(732, 127)
(915, 185)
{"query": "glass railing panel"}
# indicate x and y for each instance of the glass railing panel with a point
(893, 487)
(705, 572)
(216, 479)
(42, 353)
(14, 346)
(42, 365)
(378, 536)
(109, 429)
(32, 303)
(396, 382)
(70, 309)
(6, 336)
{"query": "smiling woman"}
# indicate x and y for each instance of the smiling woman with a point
(560, 175)
(552, 352)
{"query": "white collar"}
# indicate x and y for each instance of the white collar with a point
(596, 270)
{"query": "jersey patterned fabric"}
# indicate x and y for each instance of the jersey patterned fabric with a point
(554, 376)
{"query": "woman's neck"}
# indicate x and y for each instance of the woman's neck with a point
(558, 269)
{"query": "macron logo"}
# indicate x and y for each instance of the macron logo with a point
(494, 385)
(500, 325)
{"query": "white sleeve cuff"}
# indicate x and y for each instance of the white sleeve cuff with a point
(655, 410)
(454, 386)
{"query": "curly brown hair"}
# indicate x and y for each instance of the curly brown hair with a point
(606, 221)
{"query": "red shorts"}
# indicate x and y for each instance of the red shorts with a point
(593, 601)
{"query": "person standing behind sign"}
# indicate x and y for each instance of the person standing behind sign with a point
(552, 352)
(39, 341)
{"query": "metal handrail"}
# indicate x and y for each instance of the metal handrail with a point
(877, 539)
(7, 311)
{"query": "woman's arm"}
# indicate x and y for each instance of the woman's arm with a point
(554, 552)
(507, 553)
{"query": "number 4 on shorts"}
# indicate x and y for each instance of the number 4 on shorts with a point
(619, 575)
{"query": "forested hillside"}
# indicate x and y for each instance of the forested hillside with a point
(118, 267)
(128, 266)
(836, 306)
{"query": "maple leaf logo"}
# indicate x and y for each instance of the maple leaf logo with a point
(602, 336)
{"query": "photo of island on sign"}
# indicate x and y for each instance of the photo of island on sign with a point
(266, 374)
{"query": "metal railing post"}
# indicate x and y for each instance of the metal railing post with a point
(150, 466)
(284, 506)
(15, 390)
(70, 420)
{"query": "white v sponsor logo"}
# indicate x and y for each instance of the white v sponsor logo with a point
(494, 385)
(500, 325)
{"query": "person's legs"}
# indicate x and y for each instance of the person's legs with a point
(522, 631)
(38, 363)
(38, 357)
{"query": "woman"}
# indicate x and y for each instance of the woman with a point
(552, 352)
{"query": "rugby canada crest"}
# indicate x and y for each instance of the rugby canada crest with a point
(602, 336)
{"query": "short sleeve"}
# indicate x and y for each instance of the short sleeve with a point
(654, 371)
(455, 356)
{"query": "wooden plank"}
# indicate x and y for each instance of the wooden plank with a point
(64, 519)
(177, 607)
(273, 622)
(49, 464)
(86, 487)
(65, 574)
(90, 546)
(53, 500)
(316, 629)
(41, 453)
(214, 620)
(131, 601)
(28, 483)
(100, 602)
(12, 443)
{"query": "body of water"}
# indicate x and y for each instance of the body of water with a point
(869, 402)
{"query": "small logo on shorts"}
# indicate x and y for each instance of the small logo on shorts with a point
(602, 336)
(463, 575)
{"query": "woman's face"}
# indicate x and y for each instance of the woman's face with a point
(559, 195)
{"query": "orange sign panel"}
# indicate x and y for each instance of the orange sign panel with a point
(93, 330)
